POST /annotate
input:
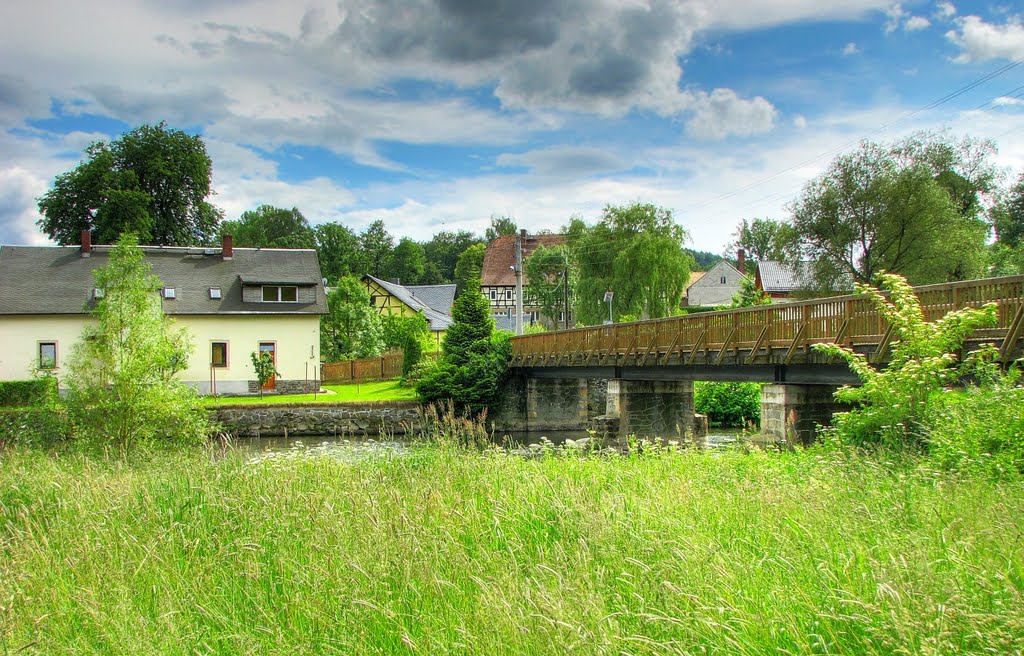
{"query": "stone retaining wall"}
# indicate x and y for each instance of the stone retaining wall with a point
(320, 419)
(282, 386)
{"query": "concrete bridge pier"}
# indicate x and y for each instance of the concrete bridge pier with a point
(791, 412)
(652, 408)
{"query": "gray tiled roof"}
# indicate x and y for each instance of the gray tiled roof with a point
(417, 298)
(57, 280)
(779, 277)
(436, 297)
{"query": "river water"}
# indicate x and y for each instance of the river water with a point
(519, 442)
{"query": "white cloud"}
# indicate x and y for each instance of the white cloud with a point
(1006, 101)
(850, 49)
(979, 40)
(799, 122)
(722, 113)
(915, 23)
(945, 11)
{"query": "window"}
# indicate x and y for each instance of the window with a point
(723, 280)
(508, 294)
(170, 293)
(47, 355)
(494, 294)
(97, 293)
(373, 301)
(219, 354)
(278, 294)
(215, 292)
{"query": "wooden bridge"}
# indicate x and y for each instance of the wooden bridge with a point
(761, 343)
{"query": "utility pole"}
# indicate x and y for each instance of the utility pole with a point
(565, 296)
(519, 281)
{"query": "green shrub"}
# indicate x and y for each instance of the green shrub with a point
(21, 393)
(36, 426)
(978, 429)
(891, 404)
(728, 404)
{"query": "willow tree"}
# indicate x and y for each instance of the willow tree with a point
(636, 251)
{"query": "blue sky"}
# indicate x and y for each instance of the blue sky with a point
(438, 114)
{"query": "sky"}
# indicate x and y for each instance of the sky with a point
(439, 114)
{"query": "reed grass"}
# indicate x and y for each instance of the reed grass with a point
(446, 551)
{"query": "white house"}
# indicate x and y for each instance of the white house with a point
(716, 287)
(232, 301)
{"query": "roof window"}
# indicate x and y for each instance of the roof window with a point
(170, 293)
(215, 292)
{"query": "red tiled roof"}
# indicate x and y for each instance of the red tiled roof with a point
(501, 255)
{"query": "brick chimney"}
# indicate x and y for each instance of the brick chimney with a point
(227, 247)
(86, 250)
(741, 261)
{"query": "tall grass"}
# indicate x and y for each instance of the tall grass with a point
(443, 551)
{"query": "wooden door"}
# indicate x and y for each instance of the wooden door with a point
(271, 348)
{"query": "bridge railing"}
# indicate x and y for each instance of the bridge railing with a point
(849, 320)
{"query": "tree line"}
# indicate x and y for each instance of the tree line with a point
(931, 207)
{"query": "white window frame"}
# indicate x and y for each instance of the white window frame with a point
(494, 294)
(39, 354)
(508, 295)
(279, 294)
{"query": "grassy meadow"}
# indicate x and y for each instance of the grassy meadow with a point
(439, 551)
(388, 390)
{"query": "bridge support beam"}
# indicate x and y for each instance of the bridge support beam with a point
(791, 412)
(653, 408)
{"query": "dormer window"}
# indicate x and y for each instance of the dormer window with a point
(170, 293)
(280, 294)
(215, 293)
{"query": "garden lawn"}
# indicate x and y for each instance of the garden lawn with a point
(440, 551)
(388, 390)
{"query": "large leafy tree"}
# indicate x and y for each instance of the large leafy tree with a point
(121, 384)
(407, 262)
(443, 251)
(501, 226)
(152, 181)
(637, 252)
(547, 270)
(337, 247)
(270, 227)
(762, 239)
(912, 207)
(376, 244)
(351, 328)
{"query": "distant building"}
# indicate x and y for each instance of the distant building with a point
(791, 282)
(498, 277)
(716, 286)
(434, 301)
(232, 301)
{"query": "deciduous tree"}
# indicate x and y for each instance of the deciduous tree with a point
(270, 227)
(351, 328)
(121, 384)
(636, 251)
(909, 207)
(547, 270)
(376, 244)
(443, 251)
(153, 181)
(337, 246)
(407, 262)
(501, 226)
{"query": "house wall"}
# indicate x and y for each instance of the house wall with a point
(710, 290)
(297, 340)
(387, 304)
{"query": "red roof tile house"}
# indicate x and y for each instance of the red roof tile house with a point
(498, 276)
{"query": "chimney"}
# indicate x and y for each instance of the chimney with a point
(227, 247)
(86, 242)
(741, 261)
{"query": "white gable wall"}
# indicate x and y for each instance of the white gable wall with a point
(711, 290)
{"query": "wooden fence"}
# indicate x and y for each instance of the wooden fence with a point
(366, 370)
(779, 333)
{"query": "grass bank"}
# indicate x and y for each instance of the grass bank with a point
(471, 553)
(388, 390)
